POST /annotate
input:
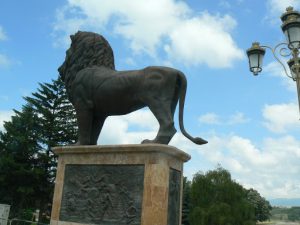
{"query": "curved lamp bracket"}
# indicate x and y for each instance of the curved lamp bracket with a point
(283, 52)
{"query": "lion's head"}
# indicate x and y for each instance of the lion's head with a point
(87, 49)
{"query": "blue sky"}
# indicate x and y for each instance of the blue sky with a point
(251, 123)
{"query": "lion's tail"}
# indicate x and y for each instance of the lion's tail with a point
(183, 87)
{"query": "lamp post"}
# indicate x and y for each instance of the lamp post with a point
(291, 29)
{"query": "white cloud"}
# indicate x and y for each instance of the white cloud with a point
(133, 128)
(204, 40)
(129, 129)
(238, 118)
(4, 61)
(278, 7)
(213, 118)
(209, 118)
(4, 116)
(272, 168)
(149, 25)
(142, 119)
(275, 69)
(2, 34)
(224, 4)
(130, 61)
(66, 26)
(281, 118)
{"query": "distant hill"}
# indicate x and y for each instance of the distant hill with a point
(286, 202)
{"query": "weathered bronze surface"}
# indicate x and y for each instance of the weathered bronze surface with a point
(174, 197)
(97, 90)
(103, 194)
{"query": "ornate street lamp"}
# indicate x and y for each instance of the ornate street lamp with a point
(291, 28)
(256, 55)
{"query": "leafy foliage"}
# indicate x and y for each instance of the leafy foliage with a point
(286, 214)
(261, 206)
(294, 214)
(214, 198)
(56, 114)
(186, 202)
(20, 173)
(27, 164)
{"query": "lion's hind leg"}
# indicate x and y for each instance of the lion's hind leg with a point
(163, 113)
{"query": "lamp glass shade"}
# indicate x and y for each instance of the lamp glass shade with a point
(255, 57)
(292, 33)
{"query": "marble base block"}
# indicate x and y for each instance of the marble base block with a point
(118, 185)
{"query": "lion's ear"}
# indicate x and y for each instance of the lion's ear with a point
(72, 37)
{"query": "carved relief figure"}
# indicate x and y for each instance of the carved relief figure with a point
(97, 90)
(91, 194)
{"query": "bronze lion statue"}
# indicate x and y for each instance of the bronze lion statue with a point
(97, 90)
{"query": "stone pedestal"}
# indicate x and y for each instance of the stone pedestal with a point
(116, 185)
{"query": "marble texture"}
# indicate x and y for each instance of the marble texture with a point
(157, 159)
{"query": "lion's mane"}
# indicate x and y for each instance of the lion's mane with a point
(87, 49)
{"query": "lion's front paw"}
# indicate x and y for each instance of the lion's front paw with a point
(147, 141)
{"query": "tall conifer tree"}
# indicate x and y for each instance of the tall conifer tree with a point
(27, 163)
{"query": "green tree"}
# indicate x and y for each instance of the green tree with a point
(186, 201)
(261, 205)
(217, 199)
(27, 163)
(294, 214)
(56, 120)
(20, 174)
